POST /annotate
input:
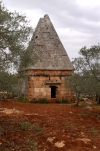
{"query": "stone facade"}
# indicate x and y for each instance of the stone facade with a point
(47, 77)
(48, 84)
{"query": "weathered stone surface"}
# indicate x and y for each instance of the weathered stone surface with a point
(40, 86)
(48, 47)
(47, 77)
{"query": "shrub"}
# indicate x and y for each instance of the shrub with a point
(25, 126)
(37, 128)
(93, 131)
(43, 101)
(22, 99)
(32, 145)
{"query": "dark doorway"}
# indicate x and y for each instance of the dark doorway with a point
(53, 91)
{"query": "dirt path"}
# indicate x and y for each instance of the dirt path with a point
(48, 127)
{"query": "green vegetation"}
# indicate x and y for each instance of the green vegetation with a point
(22, 99)
(31, 145)
(15, 31)
(83, 114)
(93, 131)
(86, 79)
(25, 126)
(37, 128)
(8, 84)
(14, 34)
(41, 101)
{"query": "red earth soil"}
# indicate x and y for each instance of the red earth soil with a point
(48, 127)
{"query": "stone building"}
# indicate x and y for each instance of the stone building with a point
(46, 78)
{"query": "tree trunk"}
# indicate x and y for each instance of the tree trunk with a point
(78, 99)
(98, 98)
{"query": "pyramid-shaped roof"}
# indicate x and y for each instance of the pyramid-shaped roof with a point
(48, 47)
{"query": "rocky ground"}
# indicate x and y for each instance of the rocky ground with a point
(49, 127)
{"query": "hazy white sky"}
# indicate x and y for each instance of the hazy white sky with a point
(77, 22)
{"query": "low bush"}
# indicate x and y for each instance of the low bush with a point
(29, 126)
(22, 99)
(93, 131)
(25, 126)
(41, 101)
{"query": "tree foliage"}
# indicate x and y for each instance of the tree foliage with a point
(86, 79)
(8, 82)
(89, 61)
(14, 34)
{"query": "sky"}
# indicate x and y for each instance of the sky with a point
(77, 22)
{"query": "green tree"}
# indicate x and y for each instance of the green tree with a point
(8, 82)
(15, 32)
(86, 79)
(14, 35)
(89, 60)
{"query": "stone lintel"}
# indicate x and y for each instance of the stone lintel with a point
(53, 82)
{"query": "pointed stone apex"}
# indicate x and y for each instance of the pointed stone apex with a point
(48, 47)
(46, 16)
